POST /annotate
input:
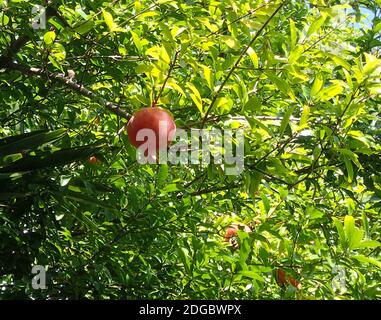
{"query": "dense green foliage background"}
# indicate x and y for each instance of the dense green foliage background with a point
(304, 74)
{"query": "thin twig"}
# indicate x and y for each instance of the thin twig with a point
(257, 34)
(69, 83)
(166, 79)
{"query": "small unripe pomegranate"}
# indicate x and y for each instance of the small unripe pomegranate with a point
(230, 232)
(92, 160)
(283, 279)
(280, 277)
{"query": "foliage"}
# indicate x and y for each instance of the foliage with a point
(305, 75)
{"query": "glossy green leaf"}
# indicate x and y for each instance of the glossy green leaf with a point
(281, 85)
(316, 25)
(293, 33)
(30, 141)
(196, 97)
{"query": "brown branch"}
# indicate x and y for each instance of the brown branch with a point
(13, 49)
(269, 177)
(69, 83)
(211, 190)
(16, 46)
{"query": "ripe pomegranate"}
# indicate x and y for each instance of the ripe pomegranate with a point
(160, 125)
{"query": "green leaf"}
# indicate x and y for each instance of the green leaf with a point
(286, 120)
(208, 77)
(58, 52)
(171, 188)
(84, 27)
(56, 63)
(11, 176)
(369, 244)
(281, 84)
(355, 239)
(31, 141)
(340, 231)
(143, 16)
(64, 180)
(369, 260)
(348, 78)
(164, 56)
(172, 83)
(372, 65)
(224, 105)
(196, 97)
(4, 19)
(349, 226)
(86, 220)
(304, 117)
(365, 223)
(339, 61)
(14, 138)
(162, 175)
(253, 104)
(351, 155)
(317, 85)
(252, 275)
(316, 24)
(252, 182)
(86, 199)
(206, 22)
(231, 42)
(49, 37)
(137, 41)
(184, 257)
(266, 202)
(330, 92)
(253, 56)
(377, 27)
(293, 34)
(50, 159)
(313, 213)
(108, 19)
(349, 167)
(352, 234)
(295, 54)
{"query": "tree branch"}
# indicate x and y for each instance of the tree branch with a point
(171, 66)
(69, 83)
